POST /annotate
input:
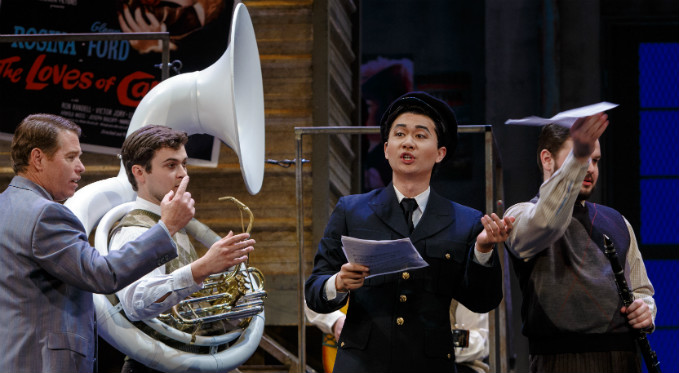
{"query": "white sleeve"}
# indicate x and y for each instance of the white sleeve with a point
(477, 324)
(323, 321)
(640, 285)
(482, 258)
(540, 224)
(139, 298)
(331, 291)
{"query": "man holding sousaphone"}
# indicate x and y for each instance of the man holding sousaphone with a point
(399, 322)
(155, 161)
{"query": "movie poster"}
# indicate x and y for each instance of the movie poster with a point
(98, 84)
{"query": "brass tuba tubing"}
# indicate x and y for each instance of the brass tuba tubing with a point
(225, 296)
(234, 312)
(242, 207)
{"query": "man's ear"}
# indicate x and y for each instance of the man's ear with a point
(547, 161)
(442, 154)
(138, 173)
(37, 158)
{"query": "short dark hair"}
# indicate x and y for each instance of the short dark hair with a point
(552, 137)
(140, 146)
(39, 131)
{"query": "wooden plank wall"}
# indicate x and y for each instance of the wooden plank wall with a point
(285, 39)
(336, 86)
(285, 31)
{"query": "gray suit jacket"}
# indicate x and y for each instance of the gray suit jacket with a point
(48, 271)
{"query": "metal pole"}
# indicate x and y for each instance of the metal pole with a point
(490, 197)
(299, 189)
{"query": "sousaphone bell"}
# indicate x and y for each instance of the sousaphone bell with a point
(225, 100)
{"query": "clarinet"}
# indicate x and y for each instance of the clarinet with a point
(650, 357)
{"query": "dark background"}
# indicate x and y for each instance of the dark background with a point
(512, 59)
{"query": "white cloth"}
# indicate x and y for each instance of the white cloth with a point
(477, 324)
(139, 298)
(323, 321)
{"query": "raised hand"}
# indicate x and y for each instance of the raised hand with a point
(229, 251)
(495, 230)
(585, 132)
(177, 209)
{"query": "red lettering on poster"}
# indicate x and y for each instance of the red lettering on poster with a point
(8, 71)
(30, 79)
(133, 87)
(39, 76)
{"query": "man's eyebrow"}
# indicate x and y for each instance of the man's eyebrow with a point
(423, 127)
(416, 126)
(171, 159)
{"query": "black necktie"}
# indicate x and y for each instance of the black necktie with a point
(409, 205)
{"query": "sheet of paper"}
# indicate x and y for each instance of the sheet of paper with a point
(565, 118)
(382, 257)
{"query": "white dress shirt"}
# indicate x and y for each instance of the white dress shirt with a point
(139, 298)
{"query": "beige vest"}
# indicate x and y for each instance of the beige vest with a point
(186, 254)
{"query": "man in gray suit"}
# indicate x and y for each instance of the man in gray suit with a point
(48, 270)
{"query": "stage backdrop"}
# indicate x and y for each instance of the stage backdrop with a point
(98, 84)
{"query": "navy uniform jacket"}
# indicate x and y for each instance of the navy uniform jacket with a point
(400, 322)
(48, 273)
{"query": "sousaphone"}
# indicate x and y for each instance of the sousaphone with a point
(225, 100)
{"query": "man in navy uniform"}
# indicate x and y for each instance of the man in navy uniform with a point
(400, 322)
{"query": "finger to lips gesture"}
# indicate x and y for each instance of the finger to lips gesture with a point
(177, 209)
(495, 230)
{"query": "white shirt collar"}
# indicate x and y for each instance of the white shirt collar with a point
(421, 199)
(143, 204)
